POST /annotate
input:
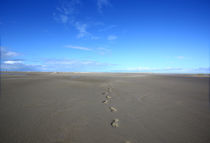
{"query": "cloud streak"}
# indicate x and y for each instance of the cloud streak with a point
(101, 4)
(169, 70)
(52, 65)
(66, 14)
(21, 66)
(78, 48)
(112, 37)
(13, 62)
(98, 50)
(107, 28)
(7, 54)
(82, 28)
(69, 65)
(180, 57)
(103, 51)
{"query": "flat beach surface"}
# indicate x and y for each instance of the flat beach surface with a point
(81, 108)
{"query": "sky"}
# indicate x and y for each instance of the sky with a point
(166, 36)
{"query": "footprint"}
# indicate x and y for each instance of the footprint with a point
(113, 109)
(104, 93)
(105, 101)
(108, 97)
(115, 123)
(109, 89)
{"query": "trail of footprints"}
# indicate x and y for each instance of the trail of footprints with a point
(115, 122)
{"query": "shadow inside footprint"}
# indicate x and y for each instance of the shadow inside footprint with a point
(105, 101)
(108, 97)
(115, 123)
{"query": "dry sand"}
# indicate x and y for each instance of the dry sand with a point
(69, 108)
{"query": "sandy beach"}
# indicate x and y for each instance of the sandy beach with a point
(104, 108)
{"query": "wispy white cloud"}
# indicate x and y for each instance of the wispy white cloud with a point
(72, 62)
(13, 62)
(11, 54)
(102, 3)
(107, 28)
(7, 54)
(66, 14)
(169, 70)
(94, 37)
(64, 18)
(63, 65)
(112, 37)
(103, 51)
(10, 64)
(75, 65)
(66, 11)
(78, 47)
(20, 66)
(82, 28)
(99, 50)
(141, 69)
(180, 57)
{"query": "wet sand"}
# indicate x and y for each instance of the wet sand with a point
(104, 108)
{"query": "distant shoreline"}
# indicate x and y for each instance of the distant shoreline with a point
(118, 73)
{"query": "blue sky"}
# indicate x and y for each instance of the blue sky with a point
(105, 35)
